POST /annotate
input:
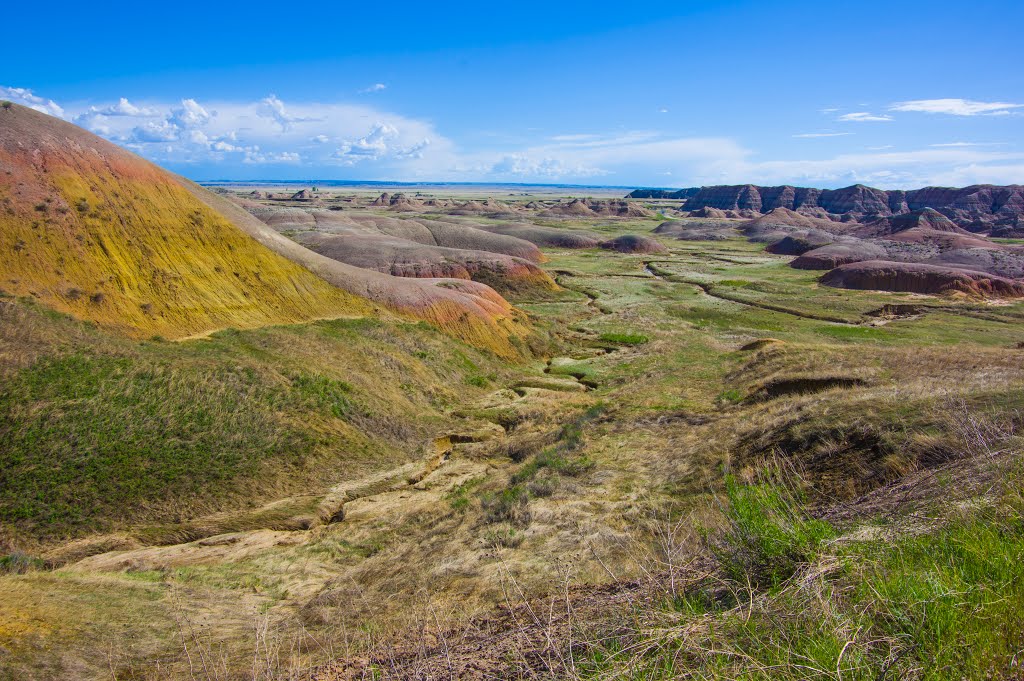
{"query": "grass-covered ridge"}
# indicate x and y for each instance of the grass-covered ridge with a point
(107, 431)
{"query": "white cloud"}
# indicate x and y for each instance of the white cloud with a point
(383, 140)
(376, 87)
(663, 110)
(812, 135)
(523, 166)
(864, 117)
(969, 144)
(26, 97)
(221, 138)
(189, 115)
(273, 108)
(956, 107)
(123, 108)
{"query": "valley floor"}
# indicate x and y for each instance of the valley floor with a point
(719, 469)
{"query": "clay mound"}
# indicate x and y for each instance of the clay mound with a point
(403, 203)
(382, 200)
(303, 195)
(257, 194)
(468, 310)
(92, 230)
(801, 242)
(427, 232)
(1002, 262)
(941, 240)
(784, 217)
(692, 230)
(1010, 231)
(574, 208)
(708, 212)
(454, 235)
(880, 275)
(633, 243)
(834, 255)
(403, 258)
(619, 208)
(549, 237)
(283, 219)
(923, 219)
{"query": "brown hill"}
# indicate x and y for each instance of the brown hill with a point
(633, 243)
(551, 237)
(95, 231)
(921, 278)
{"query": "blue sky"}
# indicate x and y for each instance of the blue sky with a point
(893, 94)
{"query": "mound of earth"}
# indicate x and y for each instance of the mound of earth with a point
(417, 248)
(697, 230)
(836, 254)
(574, 208)
(91, 229)
(1003, 262)
(550, 237)
(784, 217)
(801, 242)
(707, 212)
(633, 243)
(303, 195)
(924, 219)
(883, 275)
(404, 258)
(468, 310)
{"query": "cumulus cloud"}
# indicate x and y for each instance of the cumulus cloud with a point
(522, 166)
(864, 117)
(376, 87)
(26, 97)
(956, 107)
(122, 108)
(383, 140)
(189, 115)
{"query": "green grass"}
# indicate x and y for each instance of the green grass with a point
(107, 432)
(935, 605)
(625, 338)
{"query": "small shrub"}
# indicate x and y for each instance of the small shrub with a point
(6, 105)
(459, 497)
(511, 505)
(503, 537)
(544, 485)
(18, 563)
(480, 381)
(731, 396)
(768, 533)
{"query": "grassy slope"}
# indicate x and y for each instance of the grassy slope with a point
(98, 432)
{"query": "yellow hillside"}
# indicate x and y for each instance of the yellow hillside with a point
(92, 230)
